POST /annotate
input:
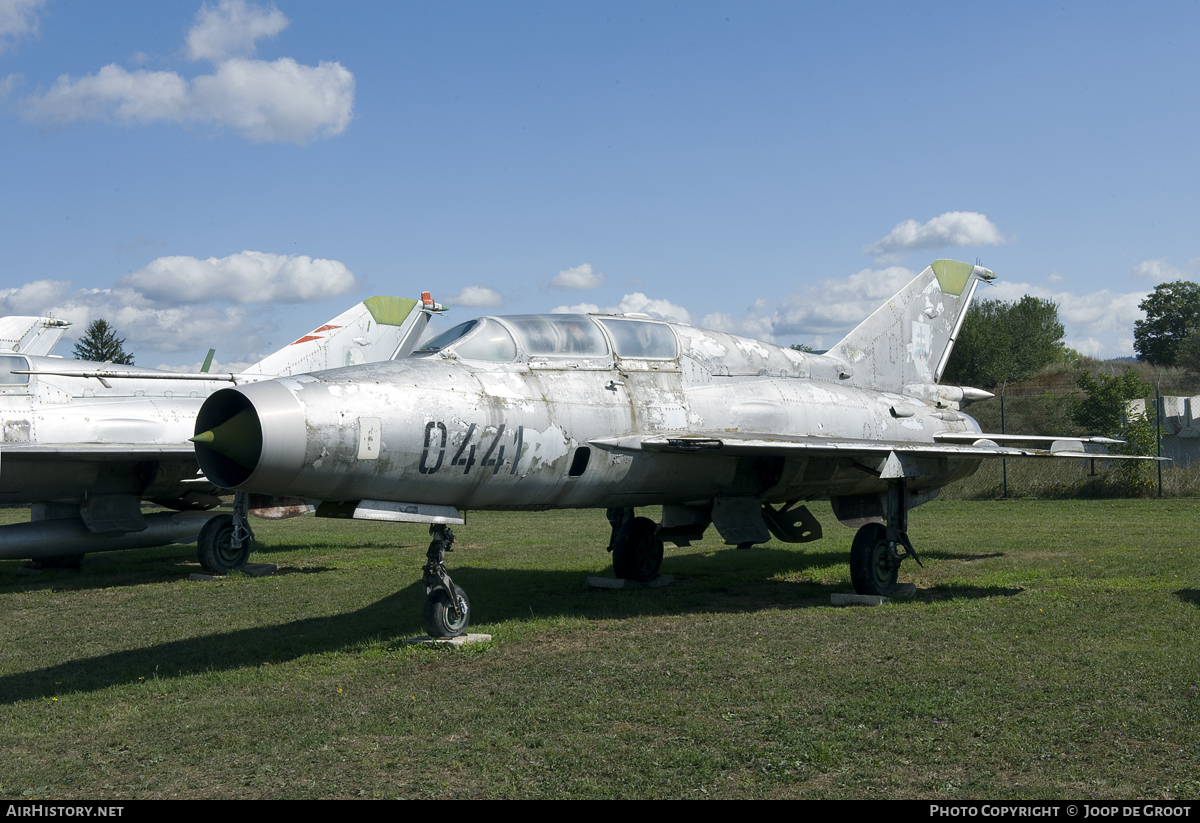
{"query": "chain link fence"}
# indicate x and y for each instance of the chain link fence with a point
(1044, 406)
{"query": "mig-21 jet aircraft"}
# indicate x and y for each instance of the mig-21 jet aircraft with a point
(621, 411)
(85, 443)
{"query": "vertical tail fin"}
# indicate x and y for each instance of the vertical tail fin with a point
(30, 335)
(379, 328)
(908, 340)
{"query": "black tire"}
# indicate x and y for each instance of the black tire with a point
(61, 561)
(637, 552)
(215, 546)
(439, 618)
(869, 568)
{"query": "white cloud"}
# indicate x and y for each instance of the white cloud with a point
(143, 323)
(954, 228)
(18, 18)
(475, 296)
(32, 298)
(636, 303)
(263, 101)
(1158, 270)
(112, 94)
(230, 29)
(580, 277)
(246, 277)
(168, 305)
(281, 101)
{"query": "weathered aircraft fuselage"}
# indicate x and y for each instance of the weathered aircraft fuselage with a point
(61, 434)
(445, 429)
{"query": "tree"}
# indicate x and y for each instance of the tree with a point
(1187, 356)
(801, 347)
(1101, 412)
(1005, 341)
(1172, 310)
(100, 343)
(1104, 411)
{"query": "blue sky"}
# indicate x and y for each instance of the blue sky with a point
(232, 174)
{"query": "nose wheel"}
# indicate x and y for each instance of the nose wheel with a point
(447, 610)
(444, 616)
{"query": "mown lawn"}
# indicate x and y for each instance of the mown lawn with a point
(1051, 651)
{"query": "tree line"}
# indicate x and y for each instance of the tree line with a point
(1010, 341)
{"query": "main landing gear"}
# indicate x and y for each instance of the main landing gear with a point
(875, 556)
(637, 552)
(447, 610)
(225, 540)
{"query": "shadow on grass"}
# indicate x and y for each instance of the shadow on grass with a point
(158, 564)
(108, 577)
(261, 550)
(1189, 596)
(705, 584)
(940, 554)
(965, 592)
(218, 652)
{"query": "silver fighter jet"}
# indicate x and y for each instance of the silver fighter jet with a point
(85, 443)
(616, 412)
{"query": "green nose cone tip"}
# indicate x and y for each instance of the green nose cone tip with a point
(239, 438)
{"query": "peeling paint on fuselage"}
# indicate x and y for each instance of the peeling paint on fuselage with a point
(480, 435)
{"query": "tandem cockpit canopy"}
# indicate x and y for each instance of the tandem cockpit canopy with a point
(482, 339)
(556, 335)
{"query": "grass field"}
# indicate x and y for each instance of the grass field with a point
(1051, 652)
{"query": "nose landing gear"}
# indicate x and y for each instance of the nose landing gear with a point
(447, 610)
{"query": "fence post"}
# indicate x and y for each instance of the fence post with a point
(1158, 434)
(1003, 461)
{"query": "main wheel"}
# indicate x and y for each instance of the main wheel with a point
(439, 617)
(870, 567)
(215, 546)
(637, 552)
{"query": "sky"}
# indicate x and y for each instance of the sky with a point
(232, 174)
